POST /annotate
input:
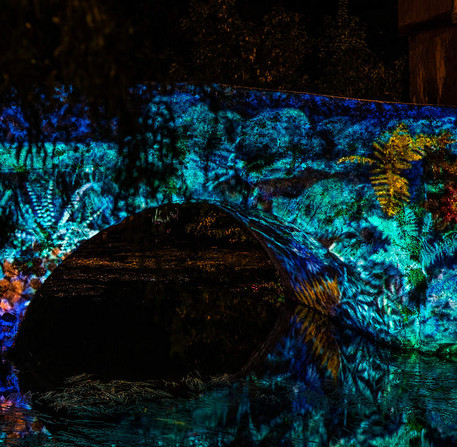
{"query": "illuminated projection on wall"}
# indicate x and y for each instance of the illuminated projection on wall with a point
(355, 201)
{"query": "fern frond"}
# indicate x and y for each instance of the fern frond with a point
(41, 217)
(432, 253)
(415, 154)
(43, 207)
(36, 204)
(438, 251)
(427, 225)
(409, 223)
(393, 181)
(391, 158)
(49, 206)
(391, 190)
(75, 203)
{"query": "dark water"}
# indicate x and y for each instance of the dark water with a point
(319, 385)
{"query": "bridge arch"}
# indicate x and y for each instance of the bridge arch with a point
(170, 290)
(315, 163)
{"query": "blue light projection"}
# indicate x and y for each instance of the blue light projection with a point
(357, 198)
(320, 385)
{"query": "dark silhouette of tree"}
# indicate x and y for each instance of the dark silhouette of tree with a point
(235, 49)
(346, 65)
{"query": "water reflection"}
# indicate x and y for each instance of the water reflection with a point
(18, 422)
(318, 385)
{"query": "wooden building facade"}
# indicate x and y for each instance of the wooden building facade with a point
(431, 27)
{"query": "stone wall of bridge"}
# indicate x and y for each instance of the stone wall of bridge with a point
(370, 185)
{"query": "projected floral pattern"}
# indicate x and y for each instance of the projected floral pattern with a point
(369, 185)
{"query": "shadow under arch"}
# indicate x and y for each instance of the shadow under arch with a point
(282, 152)
(178, 289)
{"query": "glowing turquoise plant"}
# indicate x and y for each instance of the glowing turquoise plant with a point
(53, 226)
(413, 248)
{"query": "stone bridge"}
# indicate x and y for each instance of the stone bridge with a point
(363, 188)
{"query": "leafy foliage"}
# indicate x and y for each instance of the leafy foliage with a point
(348, 67)
(46, 232)
(6, 216)
(232, 48)
(22, 278)
(53, 225)
(413, 247)
(390, 159)
(449, 205)
(318, 196)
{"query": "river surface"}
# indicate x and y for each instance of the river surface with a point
(319, 385)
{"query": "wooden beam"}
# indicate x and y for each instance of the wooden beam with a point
(417, 15)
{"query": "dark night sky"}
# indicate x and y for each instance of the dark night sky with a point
(381, 19)
(48, 41)
(379, 16)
